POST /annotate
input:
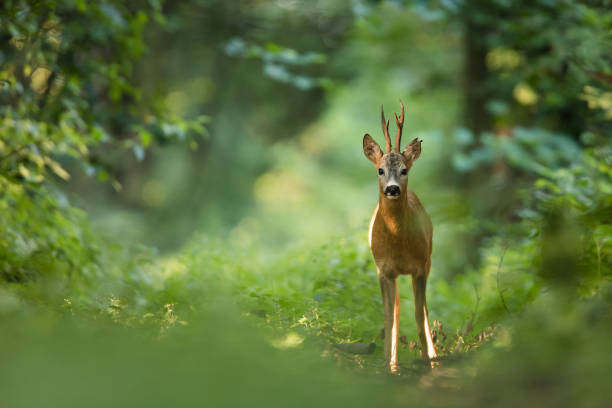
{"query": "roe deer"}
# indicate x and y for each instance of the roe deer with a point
(399, 237)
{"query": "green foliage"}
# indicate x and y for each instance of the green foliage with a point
(544, 61)
(534, 151)
(68, 84)
(276, 59)
(521, 270)
(578, 198)
(67, 92)
(42, 237)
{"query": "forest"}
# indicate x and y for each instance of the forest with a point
(185, 202)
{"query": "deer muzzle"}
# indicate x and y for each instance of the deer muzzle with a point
(392, 191)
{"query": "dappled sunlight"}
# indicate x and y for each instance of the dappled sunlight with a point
(290, 340)
(184, 203)
(524, 94)
(280, 190)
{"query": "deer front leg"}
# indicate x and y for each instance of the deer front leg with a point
(391, 304)
(419, 284)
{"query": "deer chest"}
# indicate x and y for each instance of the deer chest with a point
(399, 248)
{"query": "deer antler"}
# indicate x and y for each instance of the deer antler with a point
(385, 128)
(400, 125)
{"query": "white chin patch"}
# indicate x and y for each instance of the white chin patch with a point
(390, 197)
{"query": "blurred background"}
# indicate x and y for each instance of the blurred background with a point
(183, 193)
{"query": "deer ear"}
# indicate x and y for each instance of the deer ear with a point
(371, 148)
(413, 150)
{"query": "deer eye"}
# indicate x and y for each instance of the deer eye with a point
(381, 171)
(404, 172)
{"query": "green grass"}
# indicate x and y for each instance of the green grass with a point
(222, 323)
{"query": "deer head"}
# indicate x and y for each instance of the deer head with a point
(392, 166)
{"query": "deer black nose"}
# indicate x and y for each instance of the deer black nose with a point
(392, 190)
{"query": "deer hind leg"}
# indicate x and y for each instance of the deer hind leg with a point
(419, 284)
(391, 303)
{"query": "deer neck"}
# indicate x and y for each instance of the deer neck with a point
(396, 214)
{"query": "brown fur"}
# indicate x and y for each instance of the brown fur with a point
(401, 243)
(401, 236)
